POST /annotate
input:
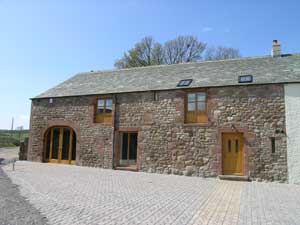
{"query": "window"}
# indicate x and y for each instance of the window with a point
(273, 144)
(184, 83)
(246, 79)
(104, 110)
(60, 145)
(236, 145)
(196, 108)
(128, 149)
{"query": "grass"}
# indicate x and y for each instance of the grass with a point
(12, 138)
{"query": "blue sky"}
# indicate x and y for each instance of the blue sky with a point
(42, 43)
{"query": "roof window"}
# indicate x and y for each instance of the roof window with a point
(184, 83)
(246, 79)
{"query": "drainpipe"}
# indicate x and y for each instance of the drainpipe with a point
(114, 131)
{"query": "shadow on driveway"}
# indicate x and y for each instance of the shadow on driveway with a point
(15, 209)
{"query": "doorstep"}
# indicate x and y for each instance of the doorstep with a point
(127, 168)
(234, 178)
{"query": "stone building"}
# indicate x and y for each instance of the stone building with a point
(238, 117)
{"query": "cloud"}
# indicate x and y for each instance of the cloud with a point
(207, 29)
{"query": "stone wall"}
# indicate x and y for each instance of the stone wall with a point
(23, 151)
(94, 141)
(165, 143)
(292, 104)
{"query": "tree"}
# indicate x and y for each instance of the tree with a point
(220, 53)
(148, 52)
(183, 49)
(145, 53)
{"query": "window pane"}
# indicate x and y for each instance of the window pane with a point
(100, 108)
(124, 148)
(65, 145)
(201, 96)
(181, 83)
(133, 147)
(201, 106)
(191, 106)
(109, 102)
(55, 148)
(48, 144)
(186, 82)
(100, 103)
(108, 108)
(191, 97)
(74, 147)
(236, 145)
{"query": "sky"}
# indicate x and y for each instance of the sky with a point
(43, 43)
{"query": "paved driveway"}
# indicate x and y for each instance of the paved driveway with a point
(81, 195)
(14, 208)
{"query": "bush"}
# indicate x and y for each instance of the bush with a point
(9, 142)
(5, 145)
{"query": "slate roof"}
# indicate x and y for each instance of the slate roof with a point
(265, 70)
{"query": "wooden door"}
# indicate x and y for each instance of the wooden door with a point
(128, 149)
(61, 145)
(233, 153)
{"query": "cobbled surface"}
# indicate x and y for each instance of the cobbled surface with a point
(82, 195)
(14, 208)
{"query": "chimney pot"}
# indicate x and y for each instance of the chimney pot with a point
(276, 49)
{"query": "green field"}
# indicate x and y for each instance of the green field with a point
(12, 138)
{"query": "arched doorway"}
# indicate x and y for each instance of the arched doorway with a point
(60, 145)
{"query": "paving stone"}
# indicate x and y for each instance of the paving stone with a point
(83, 195)
(14, 208)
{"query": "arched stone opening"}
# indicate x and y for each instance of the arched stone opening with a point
(60, 145)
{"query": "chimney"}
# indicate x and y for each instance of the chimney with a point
(276, 49)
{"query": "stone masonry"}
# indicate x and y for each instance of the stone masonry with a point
(165, 143)
(94, 141)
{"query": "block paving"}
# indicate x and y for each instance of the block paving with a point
(84, 195)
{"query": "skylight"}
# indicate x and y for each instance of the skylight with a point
(246, 79)
(184, 83)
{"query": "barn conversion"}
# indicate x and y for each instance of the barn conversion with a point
(237, 117)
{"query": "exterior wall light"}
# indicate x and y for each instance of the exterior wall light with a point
(233, 128)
